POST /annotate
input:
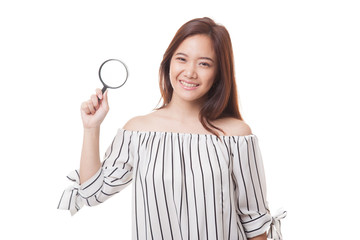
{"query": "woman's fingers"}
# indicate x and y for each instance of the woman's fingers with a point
(85, 108)
(95, 101)
(105, 101)
(99, 93)
(93, 111)
(91, 106)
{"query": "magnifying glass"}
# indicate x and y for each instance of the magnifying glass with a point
(113, 73)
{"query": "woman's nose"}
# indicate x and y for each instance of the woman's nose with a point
(190, 71)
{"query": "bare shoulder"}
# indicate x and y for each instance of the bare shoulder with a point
(135, 123)
(140, 123)
(234, 126)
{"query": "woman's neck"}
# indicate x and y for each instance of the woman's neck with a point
(184, 111)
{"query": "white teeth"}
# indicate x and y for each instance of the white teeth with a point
(187, 84)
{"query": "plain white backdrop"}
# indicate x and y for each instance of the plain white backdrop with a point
(297, 69)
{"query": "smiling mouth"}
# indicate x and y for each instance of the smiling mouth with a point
(188, 84)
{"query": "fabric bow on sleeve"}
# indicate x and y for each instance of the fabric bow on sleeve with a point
(107, 179)
(275, 226)
(70, 199)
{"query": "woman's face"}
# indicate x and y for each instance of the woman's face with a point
(193, 68)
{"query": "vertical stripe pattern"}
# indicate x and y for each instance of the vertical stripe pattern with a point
(185, 186)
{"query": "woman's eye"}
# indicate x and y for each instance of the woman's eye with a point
(205, 64)
(181, 59)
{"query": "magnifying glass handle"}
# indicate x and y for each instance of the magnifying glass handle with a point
(103, 89)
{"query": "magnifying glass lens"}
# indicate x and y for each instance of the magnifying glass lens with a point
(113, 74)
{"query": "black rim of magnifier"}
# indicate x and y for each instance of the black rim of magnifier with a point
(107, 86)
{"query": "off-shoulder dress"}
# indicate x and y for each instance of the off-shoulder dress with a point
(185, 185)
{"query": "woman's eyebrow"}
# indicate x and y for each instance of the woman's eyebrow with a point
(206, 58)
(179, 53)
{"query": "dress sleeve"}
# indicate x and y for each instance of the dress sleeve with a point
(115, 173)
(250, 187)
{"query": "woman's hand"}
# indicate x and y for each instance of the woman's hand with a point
(93, 111)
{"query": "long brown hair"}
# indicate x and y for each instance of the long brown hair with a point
(222, 100)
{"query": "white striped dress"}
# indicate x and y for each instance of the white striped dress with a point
(185, 185)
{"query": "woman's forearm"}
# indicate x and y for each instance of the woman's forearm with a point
(90, 157)
(260, 237)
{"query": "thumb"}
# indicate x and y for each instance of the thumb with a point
(105, 99)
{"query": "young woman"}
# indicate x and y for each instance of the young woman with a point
(196, 167)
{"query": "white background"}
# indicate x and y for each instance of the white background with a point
(297, 68)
